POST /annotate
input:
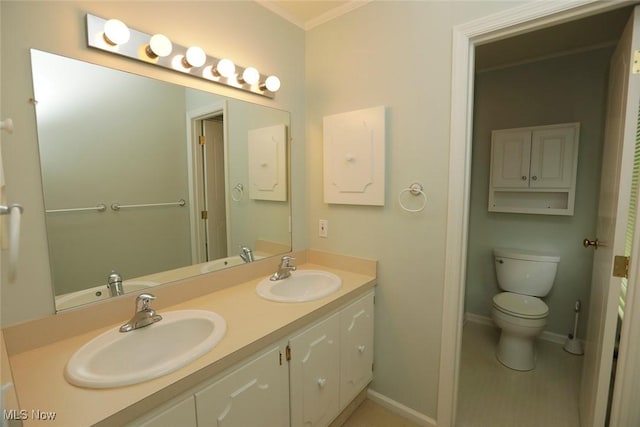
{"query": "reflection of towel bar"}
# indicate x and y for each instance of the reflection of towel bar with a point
(100, 208)
(117, 206)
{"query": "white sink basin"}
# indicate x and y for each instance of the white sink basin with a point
(115, 359)
(302, 285)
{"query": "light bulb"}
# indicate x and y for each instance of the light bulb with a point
(159, 46)
(195, 57)
(225, 68)
(250, 76)
(116, 32)
(272, 83)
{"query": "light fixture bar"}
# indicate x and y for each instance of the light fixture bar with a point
(137, 47)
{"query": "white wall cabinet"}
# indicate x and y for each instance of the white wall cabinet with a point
(331, 362)
(533, 170)
(305, 380)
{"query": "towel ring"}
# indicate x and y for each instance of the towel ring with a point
(237, 192)
(414, 189)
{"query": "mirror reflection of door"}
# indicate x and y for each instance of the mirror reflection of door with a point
(213, 206)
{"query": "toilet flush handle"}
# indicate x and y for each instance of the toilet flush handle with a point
(586, 243)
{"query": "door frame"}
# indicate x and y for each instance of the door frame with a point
(518, 20)
(195, 184)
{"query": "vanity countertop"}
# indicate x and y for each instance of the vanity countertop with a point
(252, 323)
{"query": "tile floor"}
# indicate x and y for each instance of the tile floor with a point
(491, 395)
(370, 414)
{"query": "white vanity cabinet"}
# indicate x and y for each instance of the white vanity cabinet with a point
(356, 348)
(181, 413)
(254, 394)
(306, 379)
(331, 362)
(314, 371)
(533, 170)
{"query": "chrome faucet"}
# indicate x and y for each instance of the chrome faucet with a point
(284, 269)
(246, 254)
(114, 283)
(144, 315)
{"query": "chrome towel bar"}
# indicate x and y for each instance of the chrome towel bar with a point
(117, 206)
(100, 208)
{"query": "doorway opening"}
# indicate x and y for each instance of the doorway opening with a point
(208, 172)
(467, 42)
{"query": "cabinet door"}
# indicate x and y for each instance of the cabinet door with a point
(181, 414)
(356, 348)
(255, 394)
(314, 372)
(553, 157)
(510, 158)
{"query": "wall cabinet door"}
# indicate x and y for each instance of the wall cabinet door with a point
(510, 158)
(256, 394)
(315, 374)
(552, 158)
(356, 348)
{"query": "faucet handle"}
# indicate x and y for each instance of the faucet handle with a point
(287, 259)
(114, 277)
(143, 301)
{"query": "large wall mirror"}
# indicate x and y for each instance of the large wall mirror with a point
(153, 181)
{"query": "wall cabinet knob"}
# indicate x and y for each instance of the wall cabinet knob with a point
(361, 348)
(322, 382)
(524, 178)
(534, 178)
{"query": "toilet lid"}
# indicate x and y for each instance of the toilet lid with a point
(520, 305)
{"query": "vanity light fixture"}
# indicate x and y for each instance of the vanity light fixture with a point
(116, 32)
(115, 37)
(225, 68)
(159, 46)
(272, 83)
(249, 76)
(195, 57)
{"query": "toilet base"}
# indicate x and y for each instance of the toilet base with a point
(516, 352)
(517, 340)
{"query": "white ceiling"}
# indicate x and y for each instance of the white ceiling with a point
(306, 14)
(594, 31)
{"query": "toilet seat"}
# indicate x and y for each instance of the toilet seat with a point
(523, 306)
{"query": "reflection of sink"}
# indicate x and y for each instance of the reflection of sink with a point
(302, 285)
(98, 293)
(221, 263)
(115, 358)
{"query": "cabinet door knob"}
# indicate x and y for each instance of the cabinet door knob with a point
(361, 348)
(524, 178)
(322, 382)
(534, 178)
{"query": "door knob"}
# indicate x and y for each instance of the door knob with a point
(586, 243)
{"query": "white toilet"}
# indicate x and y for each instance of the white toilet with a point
(519, 312)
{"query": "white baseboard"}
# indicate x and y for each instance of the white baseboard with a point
(400, 409)
(545, 335)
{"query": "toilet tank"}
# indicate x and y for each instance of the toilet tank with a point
(525, 272)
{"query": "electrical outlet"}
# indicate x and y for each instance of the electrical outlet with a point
(323, 228)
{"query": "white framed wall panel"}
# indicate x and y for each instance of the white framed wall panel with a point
(354, 157)
(268, 163)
